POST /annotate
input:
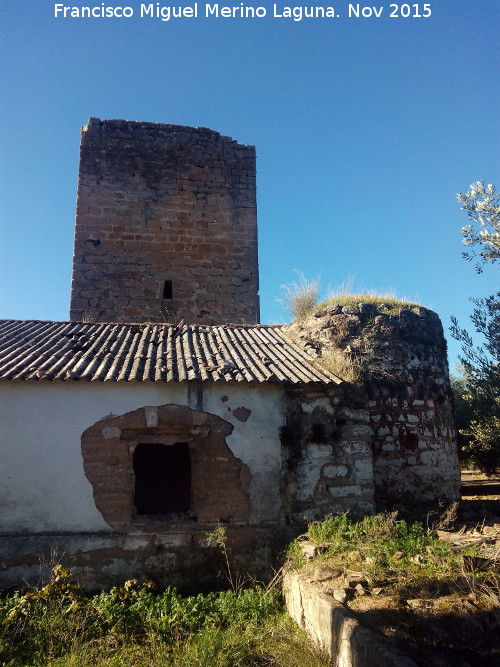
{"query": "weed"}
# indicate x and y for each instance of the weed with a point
(344, 365)
(300, 296)
(408, 554)
(133, 624)
(379, 537)
(341, 289)
(219, 537)
(442, 519)
(294, 554)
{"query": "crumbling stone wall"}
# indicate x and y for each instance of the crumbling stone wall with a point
(327, 459)
(166, 226)
(325, 450)
(401, 354)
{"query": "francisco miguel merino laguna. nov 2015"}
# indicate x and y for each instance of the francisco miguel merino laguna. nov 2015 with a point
(207, 10)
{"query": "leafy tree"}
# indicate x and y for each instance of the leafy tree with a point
(477, 392)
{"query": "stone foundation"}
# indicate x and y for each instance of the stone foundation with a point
(184, 557)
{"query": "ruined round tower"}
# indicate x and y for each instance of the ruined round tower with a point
(399, 351)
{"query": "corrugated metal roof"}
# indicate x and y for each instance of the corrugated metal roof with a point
(37, 350)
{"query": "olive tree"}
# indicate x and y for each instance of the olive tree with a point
(482, 205)
(477, 391)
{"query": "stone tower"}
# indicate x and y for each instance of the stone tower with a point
(166, 226)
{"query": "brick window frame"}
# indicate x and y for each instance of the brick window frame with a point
(217, 476)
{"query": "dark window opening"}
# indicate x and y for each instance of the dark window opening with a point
(167, 289)
(162, 478)
(318, 434)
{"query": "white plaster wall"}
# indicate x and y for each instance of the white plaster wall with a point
(42, 483)
(256, 441)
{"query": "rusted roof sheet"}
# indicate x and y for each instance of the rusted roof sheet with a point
(37, 350)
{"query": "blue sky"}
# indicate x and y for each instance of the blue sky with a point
(365, 129)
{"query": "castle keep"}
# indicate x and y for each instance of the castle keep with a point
(166, 226)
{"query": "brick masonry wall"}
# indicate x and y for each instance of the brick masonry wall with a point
(108, 447)
(406, 389)
(166, 226)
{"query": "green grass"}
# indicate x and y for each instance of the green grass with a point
(386, 305)
(378, 538)
(59, 625)
(407, 554)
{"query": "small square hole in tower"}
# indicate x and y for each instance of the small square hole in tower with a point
(167, 289)
(162, 478)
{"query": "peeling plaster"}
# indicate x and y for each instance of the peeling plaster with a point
(242, 414)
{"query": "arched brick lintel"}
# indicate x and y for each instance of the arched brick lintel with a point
(217, 492)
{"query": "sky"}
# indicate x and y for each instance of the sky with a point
(365, 129)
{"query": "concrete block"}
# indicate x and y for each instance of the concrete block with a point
(336, 630)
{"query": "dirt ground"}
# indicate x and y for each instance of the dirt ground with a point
(476, 482)
(446, 626)
(480, 495)
(454, 630)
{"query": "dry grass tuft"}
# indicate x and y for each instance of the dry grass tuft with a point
(345, 366)
(300, 296)
(344, 295)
